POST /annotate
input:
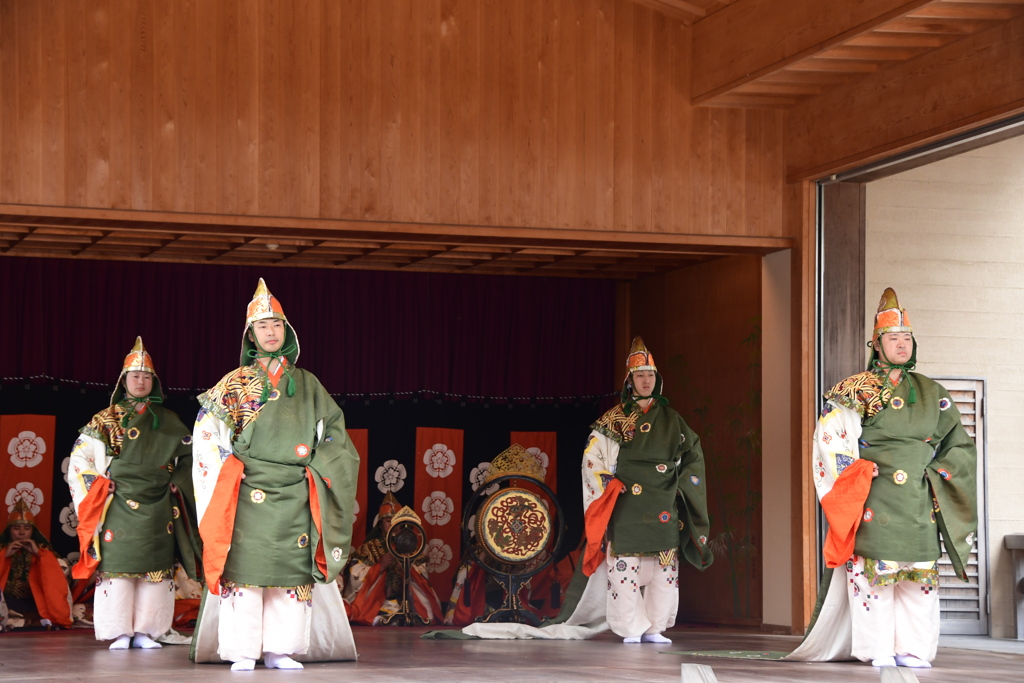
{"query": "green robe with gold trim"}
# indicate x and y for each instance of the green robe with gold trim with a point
(287, 445)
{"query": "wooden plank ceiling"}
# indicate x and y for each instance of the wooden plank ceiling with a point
(492, 251)
(868, 49)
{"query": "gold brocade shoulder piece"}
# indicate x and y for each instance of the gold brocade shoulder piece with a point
(616, 425)
(867, 393)
(106, 426)
(236, 398)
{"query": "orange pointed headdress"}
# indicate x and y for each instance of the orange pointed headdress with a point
(639, 358)
(21, 514)
(890, 317)
(137, 360)
(389, 506)
(263, 306)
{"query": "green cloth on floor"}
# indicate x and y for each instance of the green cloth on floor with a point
(728, 654)
(451, 634)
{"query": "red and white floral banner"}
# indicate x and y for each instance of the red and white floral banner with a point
(26, 468)
(361, 440)
(438, 496)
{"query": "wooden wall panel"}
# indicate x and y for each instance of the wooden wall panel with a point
(843, 350)
(543, 113)
(711, 364)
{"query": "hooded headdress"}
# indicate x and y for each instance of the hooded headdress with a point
(137, 360)
(389, 506)
(264, 306)
(891, 318)
(641, 359)
(21, 514)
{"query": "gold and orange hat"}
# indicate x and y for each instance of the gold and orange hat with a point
(21, 514)
(639, 358)
(137, 360)
(263, 306)
(389, 506)
(890, 317)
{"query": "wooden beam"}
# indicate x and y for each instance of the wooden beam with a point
(962, 86)
(751, 38)
(386, 232)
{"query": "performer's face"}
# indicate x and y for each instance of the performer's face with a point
(139, 384)
(897, 347)
(644, 381)
(21, 532)
(269, 334)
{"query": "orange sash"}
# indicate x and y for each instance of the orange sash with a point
(90, 514)
(218, 523)
(844, 509)
(596, 522)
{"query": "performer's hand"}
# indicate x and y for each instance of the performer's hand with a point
(385, 561)
(30, 546)
(12, 548)
(874, 470)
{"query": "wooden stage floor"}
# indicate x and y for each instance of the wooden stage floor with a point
(390, 655)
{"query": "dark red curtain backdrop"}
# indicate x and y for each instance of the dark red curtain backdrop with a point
(361, 332)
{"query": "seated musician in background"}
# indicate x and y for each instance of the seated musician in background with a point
(31, 578)
(374, 577)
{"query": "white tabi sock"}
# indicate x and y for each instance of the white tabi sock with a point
(912, 661)
(145, 642)
(275, 661)
(122, 643)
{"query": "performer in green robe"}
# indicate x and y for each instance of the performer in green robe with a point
(894, 470)
(275, 478)
(645, 503)
(129, 475)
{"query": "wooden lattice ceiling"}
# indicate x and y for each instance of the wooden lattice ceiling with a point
(865, 49)
(483, 251)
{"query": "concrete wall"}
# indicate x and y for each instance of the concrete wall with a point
(949, 238)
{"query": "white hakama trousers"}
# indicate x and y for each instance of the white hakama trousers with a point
(258, 620)
(643, 594)
(126, 606)
(901, 618)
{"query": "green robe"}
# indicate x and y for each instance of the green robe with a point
(664, 506)
(274, 540)
(147, 526)
(927, 479)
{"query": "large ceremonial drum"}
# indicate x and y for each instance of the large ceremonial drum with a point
(514, 525)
